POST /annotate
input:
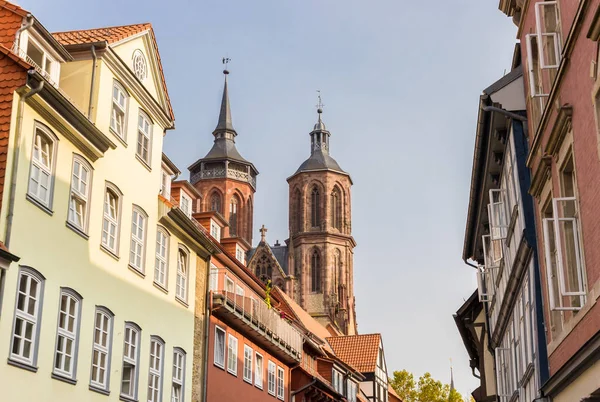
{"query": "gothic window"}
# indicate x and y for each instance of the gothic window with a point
(233, 216)
(298, 211)
(336, 208)
(315, 214)
(315, 272)
(249, 219)
(215, 202)
(264, 271)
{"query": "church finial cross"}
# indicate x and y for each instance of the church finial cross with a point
(226, 61)
(320, 104)
(263, 233)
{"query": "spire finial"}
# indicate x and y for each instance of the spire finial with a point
(226, 61)
(224, 123)
(319, 104)
(263, 234)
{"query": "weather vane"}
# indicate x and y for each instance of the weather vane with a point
(320, 104)
(226, 61)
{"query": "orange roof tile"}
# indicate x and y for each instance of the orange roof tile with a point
(112, 35)
(14, 8)
(359, 351)
(11, 18)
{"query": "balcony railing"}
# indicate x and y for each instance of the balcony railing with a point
(274, 332)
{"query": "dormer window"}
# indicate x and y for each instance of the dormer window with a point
(41, 60)
(215, 230)
(240, 254)
(165, 185)
(185, 204)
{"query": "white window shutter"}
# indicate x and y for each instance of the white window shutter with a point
(532, 43)
(548, 41)
(549, 245)
(492, 252)
(484, 295)
(502, 356)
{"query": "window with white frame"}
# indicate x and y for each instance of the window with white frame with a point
(119, 110)
(144, 139)
(240, 255)
(178, 375)
(165, 184)
(138, 239)
(229, 285)
(351, 391)
(498, 214)
(155, 374)
(232, 351)
(239, 291)
(214, 278)
(182, 275)
(337, 380)
(161, 261)
(185, 203)
(219, 358)
(271, 378)
(215, 230)
(111, 219)
(280, 383)
(65, 357)
(38, 56)
(101, 353)
(130, 372)
(248, 363)
(81, 180)
(41, 175)
(25, 334)
(547, 21)
(258, 371)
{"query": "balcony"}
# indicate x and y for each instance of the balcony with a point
(225, 173)
(262, 325)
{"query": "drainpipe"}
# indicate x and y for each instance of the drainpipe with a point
(15, 162)
(25, 27)
(206, 330)
(94, 58)
(471, 265)
(504, 112)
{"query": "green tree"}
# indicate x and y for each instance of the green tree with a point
(404, 384)
(426, 389)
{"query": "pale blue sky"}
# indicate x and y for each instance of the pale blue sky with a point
(400, 82)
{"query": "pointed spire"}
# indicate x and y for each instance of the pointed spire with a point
(224, 123)
(451, 377)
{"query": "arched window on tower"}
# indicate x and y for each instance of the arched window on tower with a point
(298, 221)
(315, 272)
(249, 219)
(315, 210)
(215, 202)
(233, 216)
(336, 208)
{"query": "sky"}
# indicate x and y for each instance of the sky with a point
(400, 82)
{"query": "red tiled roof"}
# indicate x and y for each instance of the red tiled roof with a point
(14, 8)
(112, 35)
(393, 395)
(13, 74)
(11, 18)
(359, 351)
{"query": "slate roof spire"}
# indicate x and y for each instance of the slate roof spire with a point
(224, 124)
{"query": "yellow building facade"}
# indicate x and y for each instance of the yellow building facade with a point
(101, 304)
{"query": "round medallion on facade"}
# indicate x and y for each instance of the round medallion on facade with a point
(139, 65)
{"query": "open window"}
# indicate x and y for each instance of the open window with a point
(547, 22)
(488, 273)
(498, 214)
(564, 260)
(503, 373)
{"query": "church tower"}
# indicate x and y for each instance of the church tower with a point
(227, 182)
(321, 244)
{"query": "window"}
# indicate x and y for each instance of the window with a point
(157, 347)
(239, 291)
(498, 215)
(214, 278)
(131, 355)
(271, 378)
(182, 272)
(503, 372)
(67, 334)
(186, 204)
(298, 211)
(101, 354)
(178, 375)
(258, 371)
(110, 222)
(165, 185)
(248, 363)
(280, 382)
(548, 33)
(337, 380)
(119, 111)
(219, 358)
(144, 137)
(41, 179)
(336, 208)
(41, 59)
(240, 255)
(351, 391)
(80, 190)
(161, 263)
(215, 202)
(315, 272)
(215, 230)
(315, 211)
(233, 216)
(25, 334)
(139, 64)
(229, 285)
(138, 239)
(232, 346)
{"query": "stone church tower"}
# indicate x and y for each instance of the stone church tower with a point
(226, 182)
(321, 244)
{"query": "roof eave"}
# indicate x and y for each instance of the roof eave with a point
(56, 45)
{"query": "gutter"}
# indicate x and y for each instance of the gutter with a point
(15, 162)
(94, 59)
(28, 24)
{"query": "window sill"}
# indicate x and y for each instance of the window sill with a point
(64, 379)
(233, 373)
(184, 303)
(248, 381)
(21, 365)
(118, 136)
(99, 390)
(109, 252)
(39, 204)
(137, 271)
(143, 162)
(127, 398)
(259, 386)
(222, 367)
(160, 287)
(77, 230)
